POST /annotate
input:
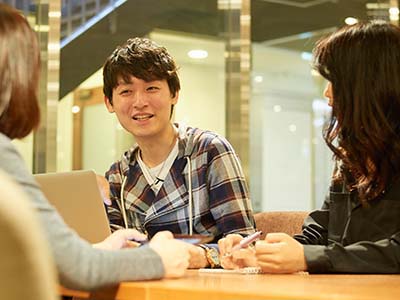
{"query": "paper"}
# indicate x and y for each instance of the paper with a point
(245, 271)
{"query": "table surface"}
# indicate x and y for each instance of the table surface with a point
(210, 286)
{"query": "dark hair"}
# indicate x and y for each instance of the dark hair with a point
(362, 62)
(19, 74)
(142, 58)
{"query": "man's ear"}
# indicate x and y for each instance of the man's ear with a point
(107, 102)
(174, 100)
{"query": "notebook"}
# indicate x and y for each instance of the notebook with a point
(245, 271)
(77, 198)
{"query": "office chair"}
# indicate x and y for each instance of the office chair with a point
(289, 222)
(27, 269)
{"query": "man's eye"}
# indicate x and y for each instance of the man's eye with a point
(152, 88)
(125, 92)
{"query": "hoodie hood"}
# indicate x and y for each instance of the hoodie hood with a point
(187, 137)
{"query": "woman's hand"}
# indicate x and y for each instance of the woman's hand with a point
(235, 259)
(280, 253)
(121, 239)
(174, 254)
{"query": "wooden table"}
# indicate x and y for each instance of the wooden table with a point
(200, 286)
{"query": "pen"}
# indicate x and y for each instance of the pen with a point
(247, 240)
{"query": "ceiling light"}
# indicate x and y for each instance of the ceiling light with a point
(350, 21)
(198, 54)
(306, 56)
(394, 14)
(75, 109)
(258, 79)
(277, 108)
(394, 10)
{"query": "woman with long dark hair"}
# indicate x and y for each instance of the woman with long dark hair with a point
(358, 228)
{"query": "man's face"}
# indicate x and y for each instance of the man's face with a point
(143, 108)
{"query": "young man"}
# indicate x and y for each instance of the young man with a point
(175, 178)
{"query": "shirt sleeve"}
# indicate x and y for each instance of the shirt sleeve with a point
(228, 193)
(80, 266)
(382, 256)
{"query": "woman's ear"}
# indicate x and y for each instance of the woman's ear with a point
(108, 104)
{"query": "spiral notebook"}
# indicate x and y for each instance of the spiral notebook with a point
(245, 271)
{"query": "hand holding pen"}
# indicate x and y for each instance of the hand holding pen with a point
(245, 242)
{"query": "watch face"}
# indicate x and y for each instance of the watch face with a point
(213, 256)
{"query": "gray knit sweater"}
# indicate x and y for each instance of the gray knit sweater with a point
(79, 265)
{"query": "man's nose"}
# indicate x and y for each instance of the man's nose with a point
(139, 100)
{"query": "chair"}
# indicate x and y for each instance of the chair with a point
(289, 222)
(27, 269)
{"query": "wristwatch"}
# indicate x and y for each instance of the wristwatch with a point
(212, 256)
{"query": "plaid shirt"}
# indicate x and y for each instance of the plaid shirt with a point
(220, 196)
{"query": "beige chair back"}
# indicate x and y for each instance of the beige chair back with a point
(289, 222)
(27, 268)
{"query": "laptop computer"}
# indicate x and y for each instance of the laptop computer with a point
(77, 198)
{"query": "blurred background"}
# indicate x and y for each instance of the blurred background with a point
(245, 73)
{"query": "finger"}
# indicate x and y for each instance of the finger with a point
(234, 238)
(106, 200)
(226, 263)
(131, 244)
(104, 188)
(230, 241)
(163, 235)
(266, 258)
(221, 246)
(133, 234)
(263, 247)
(276, 237)
(243, 253)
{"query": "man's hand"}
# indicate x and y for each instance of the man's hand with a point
(104, 188)
(174, 254)
(198, 257)
(235, 259)
(121, 239)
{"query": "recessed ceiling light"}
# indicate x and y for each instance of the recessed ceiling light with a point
(75, 109)
(198, 54)
(277, 108)
(258, 79)
(350, 20)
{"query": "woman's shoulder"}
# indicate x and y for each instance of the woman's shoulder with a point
(9, 154)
